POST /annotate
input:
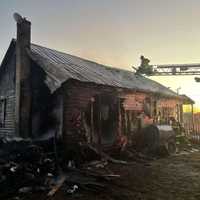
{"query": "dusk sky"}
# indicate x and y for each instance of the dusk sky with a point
(114, 32)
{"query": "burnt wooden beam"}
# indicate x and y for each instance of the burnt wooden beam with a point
(92, 119)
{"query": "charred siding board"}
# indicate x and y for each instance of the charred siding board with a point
(168, 103)
(57, 113)
(134, 102)
(9, 127)
(41, 100)
(7, 92)
(77, 98)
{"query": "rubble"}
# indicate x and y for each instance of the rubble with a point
(24, 167)
(29, 166)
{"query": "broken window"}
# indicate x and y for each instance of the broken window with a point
(2, 112)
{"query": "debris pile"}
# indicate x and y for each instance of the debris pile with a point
(28, 167)
(24, 167)
(186, 145)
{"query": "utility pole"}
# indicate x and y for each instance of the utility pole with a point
(178, 89)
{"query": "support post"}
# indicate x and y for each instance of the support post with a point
(92, 120)
(192, 109)
(99, 124)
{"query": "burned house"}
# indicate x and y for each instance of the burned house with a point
(45, 92)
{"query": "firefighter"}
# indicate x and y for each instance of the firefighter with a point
(144, 67)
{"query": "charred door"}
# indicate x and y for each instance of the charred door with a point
(105, 118)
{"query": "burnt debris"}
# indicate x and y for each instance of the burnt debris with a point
(29, 167)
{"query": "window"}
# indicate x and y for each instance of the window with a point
(2, 112)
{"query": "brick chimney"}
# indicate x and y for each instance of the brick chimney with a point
(23, 78)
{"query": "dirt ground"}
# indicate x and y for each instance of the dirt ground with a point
(173, 178)
(176, 177)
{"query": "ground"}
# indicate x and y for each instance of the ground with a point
(175, 177)
(172, 178)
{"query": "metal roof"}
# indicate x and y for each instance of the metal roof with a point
(187, 100)
(61, 67)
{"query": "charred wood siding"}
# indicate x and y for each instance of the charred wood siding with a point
(134, 101)
(41, 101)
(8, 128)
(7, 92)
(79, 96)
(54, 113)
(77, 99)
(169, 108)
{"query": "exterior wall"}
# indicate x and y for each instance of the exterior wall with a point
(134, 101)
(41, 102)
(78, 98)
(7, 94)
(56, 114)
(169, 108)
(135, 109)
(132, 106)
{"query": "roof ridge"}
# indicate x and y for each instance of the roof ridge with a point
(85, 59)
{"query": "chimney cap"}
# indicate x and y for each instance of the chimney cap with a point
(18, 18)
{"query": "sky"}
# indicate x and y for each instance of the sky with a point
(114, 32)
